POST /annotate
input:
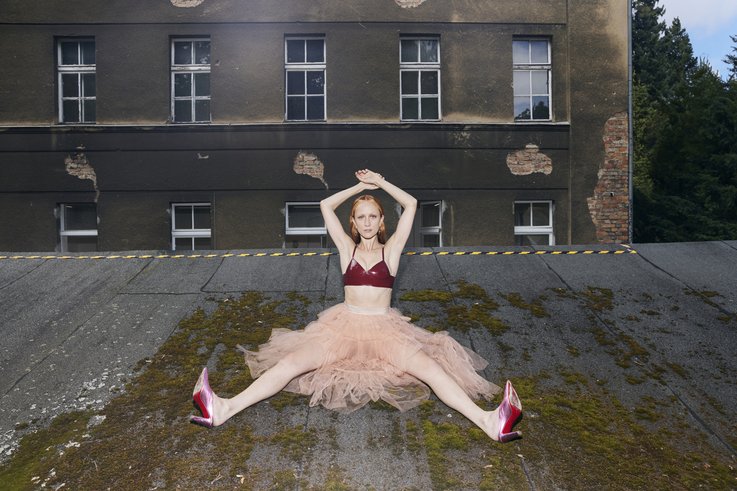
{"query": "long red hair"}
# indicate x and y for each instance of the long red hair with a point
(381, 235)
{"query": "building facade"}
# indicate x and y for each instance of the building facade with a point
(198, 124)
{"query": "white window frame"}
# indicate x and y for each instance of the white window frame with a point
(533, 229)
(311, 231)
(80, 70)
(64, 234)
(419, 67)
(438, 230)
(189, 233)
(529, 67)
(193, 69)
(305, 66)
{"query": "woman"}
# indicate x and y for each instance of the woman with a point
(361, 349)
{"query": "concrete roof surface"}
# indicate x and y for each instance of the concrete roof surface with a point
(624, 363)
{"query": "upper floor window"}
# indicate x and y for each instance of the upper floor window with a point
(76, 69)
(304, 68)
(532, 74)
(191, 226)
(533, 223)
(305, 226)
(78, 227)
(419, 73)
(190, 80)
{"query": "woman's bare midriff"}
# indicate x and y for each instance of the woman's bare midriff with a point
(368, 296)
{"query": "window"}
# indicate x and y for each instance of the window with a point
(78, 227)
(190, 80)
(191, 226)
(431, 219)
(533, 223)
(305, 226)
(532, 72)
(419, 73)
(76, 80)
(304, 67)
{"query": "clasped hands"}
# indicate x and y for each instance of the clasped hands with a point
(370, 178)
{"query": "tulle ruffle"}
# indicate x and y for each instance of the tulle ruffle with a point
(365, 359)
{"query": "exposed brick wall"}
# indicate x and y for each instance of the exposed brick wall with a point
(529, 160)
(78, 166)
(609, 206)
(186, 3)
(409, 3)
(309, 164)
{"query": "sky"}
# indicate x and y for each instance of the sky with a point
(709, 24)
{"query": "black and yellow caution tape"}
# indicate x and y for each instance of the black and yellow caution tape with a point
(317, 254)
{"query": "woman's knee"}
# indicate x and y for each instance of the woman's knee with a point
(299, 362)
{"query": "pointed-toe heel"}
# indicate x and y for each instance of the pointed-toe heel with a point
(203, 399)
(510, 411)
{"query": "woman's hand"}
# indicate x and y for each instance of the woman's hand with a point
(370, 178)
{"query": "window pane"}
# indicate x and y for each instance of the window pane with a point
(301, 216)
(429, 51)
(540, 108)
(430, 214)
(410, 82)
(316, 82)
(82, 216)
(295, 83)
(408, 52)
(88, 85)
(202, 84)
(430, 108)
(409, 108)
(182, 84)
(69, 53)
(532, 240)
(90, 109)
(183, 243)
(520, 52)
(71, 111)
(183, 111)
(70, 87)
(541, 214)
(182, 53)
(522, 215)
(315, 51)
(202, 243)
(295, 51)
(81, 244)
(201, 217)
(202, 52)
(202, 110)
(429, 82)
(88, 52)
(430, 240)
(183, 217)
(296, 108)
(539, 52)
(539, 82)
(521, 82)
(522, 108)
(316, 107)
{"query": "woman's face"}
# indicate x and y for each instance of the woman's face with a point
(367, 219)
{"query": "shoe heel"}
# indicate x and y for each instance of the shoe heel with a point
(206, 422)
(508, 437)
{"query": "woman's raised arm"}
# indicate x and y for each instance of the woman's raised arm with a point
(342, 240)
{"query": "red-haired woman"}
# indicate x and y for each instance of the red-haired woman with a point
(362, 349)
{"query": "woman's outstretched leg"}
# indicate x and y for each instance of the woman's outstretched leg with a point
(269, 383)
(424, 368)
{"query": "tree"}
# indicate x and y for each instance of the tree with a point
(731, 59)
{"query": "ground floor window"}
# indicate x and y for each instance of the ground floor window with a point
(431, 223)
(191, 226)
(78, 227)
(305, 226)
(533, 223)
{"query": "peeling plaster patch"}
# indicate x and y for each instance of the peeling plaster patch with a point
(408, 4)
(186, 3)
(609, 206)
(79, 166)
(529, 160)
(308, 163)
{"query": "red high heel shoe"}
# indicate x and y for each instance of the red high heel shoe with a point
(510, 411)
(203, 396)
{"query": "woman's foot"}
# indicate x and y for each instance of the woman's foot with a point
(502, 419)
(206, 400)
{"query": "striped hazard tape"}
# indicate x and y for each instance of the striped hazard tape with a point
(317, 254)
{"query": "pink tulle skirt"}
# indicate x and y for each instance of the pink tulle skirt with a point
(365, 357)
